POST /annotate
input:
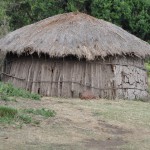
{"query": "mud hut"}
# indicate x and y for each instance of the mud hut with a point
(67, 54)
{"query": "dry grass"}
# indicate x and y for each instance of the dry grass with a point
(75, 34)
(93, 125)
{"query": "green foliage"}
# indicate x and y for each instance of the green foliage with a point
(147, 66)
(8, 90)
(79, 5)
(4, 19)
(29, 11)
(132, 15)
(43, 112)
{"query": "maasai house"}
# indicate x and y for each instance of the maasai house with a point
(67, 54)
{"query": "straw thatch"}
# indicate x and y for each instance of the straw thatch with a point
(74, 34)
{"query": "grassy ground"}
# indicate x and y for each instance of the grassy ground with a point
(78, 125)
(10, 115)
(8, 93)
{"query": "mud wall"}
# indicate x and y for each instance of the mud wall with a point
(114, 77)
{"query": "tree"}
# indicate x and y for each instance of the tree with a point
(131, 15)
(4, 19)
(29, 11)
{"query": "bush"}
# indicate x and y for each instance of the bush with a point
(147, 65)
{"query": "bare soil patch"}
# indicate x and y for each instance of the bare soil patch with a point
(111, 144)
(74, 127)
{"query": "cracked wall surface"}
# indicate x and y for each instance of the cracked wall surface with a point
(130, 79)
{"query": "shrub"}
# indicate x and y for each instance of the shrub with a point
(147, 66)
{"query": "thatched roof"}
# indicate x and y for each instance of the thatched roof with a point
(74, 34)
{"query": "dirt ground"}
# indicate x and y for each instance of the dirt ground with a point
(77, 126)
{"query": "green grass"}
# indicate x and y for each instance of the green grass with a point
(8, 90)
(25, 118)
(43, 112)
(95, 119)
(10, 115)
(134, 113)
(7, 114)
